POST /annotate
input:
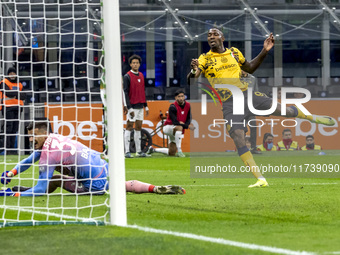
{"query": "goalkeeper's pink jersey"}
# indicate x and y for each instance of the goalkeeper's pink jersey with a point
(85, 163)
(59, 149)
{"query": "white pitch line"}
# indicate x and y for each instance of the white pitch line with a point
(57, 215)
(221, 185)
(212, 185)
(222, 241)
(316, 183)
(186, 235)
(155, 171)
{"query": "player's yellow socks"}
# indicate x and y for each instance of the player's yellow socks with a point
(248, 160)
(300, 114)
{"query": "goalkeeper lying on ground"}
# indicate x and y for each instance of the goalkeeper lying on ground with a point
(83, 171)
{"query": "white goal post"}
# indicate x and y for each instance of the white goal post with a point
(114, 117)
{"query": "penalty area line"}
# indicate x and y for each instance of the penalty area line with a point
(222, 241)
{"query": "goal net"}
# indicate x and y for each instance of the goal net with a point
(56, 49)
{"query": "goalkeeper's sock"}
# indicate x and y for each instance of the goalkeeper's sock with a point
(249, 161)
(299, 114)
(162, 150)
(138, 187)
(127, 135)
(137, 137)
(178, 140)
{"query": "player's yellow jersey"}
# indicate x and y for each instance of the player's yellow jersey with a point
(223, 68)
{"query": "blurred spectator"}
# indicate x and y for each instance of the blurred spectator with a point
(287, 142)
(310, 145)
(268, 143)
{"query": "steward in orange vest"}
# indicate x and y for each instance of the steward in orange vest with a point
(10, 105)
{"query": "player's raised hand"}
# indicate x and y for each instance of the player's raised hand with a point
(194, 64)
(269, 42)
(6, 177)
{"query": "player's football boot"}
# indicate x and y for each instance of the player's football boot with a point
(150, 150)
(128, 155)
(169, 189)
(20, 188)
(325, 120)
(142, 154)
(180, 154)
(259, 184)
(255, 151)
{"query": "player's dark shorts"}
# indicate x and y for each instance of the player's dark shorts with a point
(76, 186)
(80, 183)
(73, 185)
(260, 102)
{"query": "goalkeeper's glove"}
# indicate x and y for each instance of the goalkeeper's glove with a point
(6, 192)
(6, 177)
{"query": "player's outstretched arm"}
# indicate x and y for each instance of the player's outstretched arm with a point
(45, 174)
(26, 163)
(251, 66)
(22, 166)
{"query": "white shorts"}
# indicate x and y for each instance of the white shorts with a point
(139, 114)
(169, 131)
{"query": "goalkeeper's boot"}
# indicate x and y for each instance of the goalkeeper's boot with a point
(180, 154)
(128, 155)
(325, 120)
(259, 184)
(169, 189)
(150, 150)
(20, 188)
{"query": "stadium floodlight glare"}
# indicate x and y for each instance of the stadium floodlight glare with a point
(67, 81)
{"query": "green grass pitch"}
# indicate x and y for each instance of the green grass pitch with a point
(293, 214)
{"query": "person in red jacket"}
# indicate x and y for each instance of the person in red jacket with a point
(134, 90)
(10, 95)
(179, 119)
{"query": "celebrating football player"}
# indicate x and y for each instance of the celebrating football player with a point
(220, 64)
